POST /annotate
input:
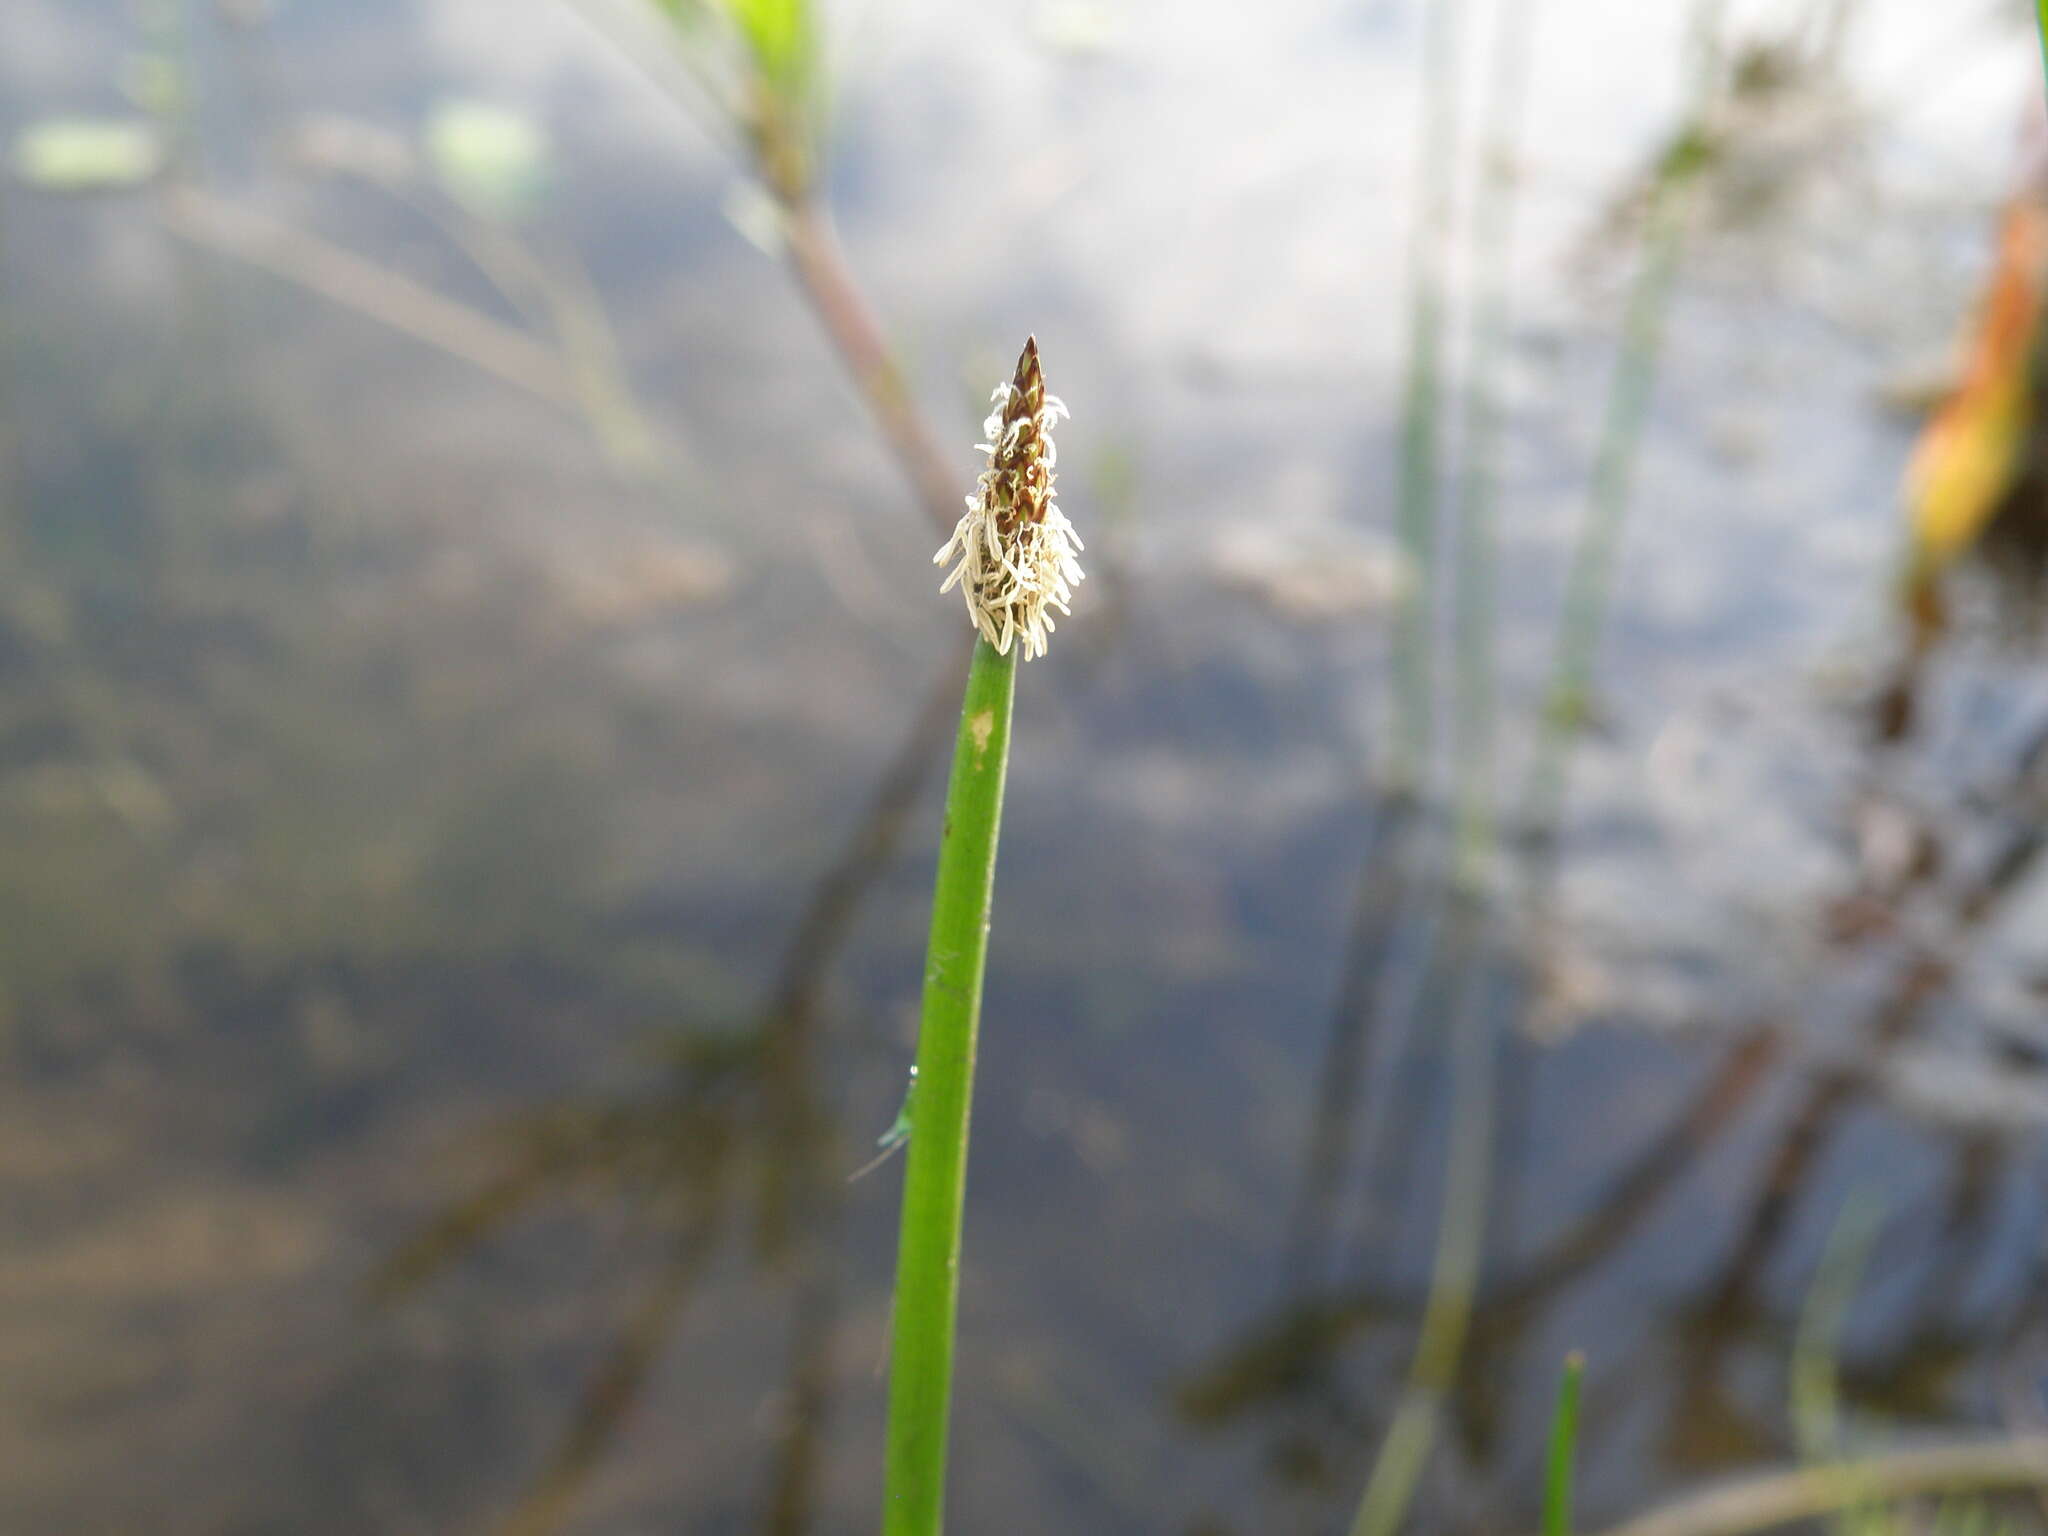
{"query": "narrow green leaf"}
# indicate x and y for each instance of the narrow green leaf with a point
(935, 1176)
(1564, 1445)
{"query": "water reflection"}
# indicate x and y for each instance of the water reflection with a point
(743, 1105)
(386, 753)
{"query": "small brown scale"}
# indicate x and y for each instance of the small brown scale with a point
(1021, 481)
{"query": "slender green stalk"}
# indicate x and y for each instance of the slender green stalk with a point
(1415, 618)
(1461, 1238)
(1816, 1349)
(1591, 580)
(1493, 217)
(1564, 1449)
(2041, 15)
(928, 1254)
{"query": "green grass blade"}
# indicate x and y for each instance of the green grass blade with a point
(1589, 584)
(1416, 509)
(2041, 15)
(1564, 1449)
(935, 1176)
(1461, 1237)
(1476, 573)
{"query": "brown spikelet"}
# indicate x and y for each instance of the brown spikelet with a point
(1023, 478)
(1015, 550)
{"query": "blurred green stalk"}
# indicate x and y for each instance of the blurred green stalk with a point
(2041, 15)
(1564, 1449)
(928, 1251)
(1416, 508)
(1493, 222)
(1590, 584)
(1591, 580)
(1461, 1235)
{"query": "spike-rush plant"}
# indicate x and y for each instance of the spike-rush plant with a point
(1015, 554)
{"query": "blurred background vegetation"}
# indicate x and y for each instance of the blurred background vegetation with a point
(1530, 841)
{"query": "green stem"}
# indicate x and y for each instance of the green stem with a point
(1590, 584)
(1564, 1444)
(928, 1253)
(1493, 219)
(1461, 1237)
(1416, 508)
(2041, 14)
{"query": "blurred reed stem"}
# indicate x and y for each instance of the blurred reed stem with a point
(1776, 1499)
(769, 110)
(934, 1181)
(1564, 1449)
(1590, 583)
(1493, 220)
(1416, 508)
(1461, 1234)
(827, 279)
(1815, 1374)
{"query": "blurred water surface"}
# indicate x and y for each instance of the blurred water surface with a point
(468, 814)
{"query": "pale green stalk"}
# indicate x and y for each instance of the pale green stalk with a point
(1493, 218)
(1461, 1239)
(928, 1253)
(1816, 1353)
(1590, 583)
(1415, 616)
(1564, 1450)
(2041, 15)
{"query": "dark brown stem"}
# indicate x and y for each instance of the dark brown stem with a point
(821, 267)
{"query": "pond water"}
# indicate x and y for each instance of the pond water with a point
(469, 802)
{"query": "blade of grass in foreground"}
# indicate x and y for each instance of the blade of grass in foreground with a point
(935, 1178)
(1564, 1448)
(1016, 557)
(2041, 14)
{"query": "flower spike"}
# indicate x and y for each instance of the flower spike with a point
(1015, 549)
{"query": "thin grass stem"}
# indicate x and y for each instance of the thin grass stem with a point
(1590, 583)
(928, 1253)
(1416, 506)
(1493, 219)
(1562, 1458)
(1461, 1239)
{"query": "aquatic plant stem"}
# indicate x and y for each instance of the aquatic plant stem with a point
(1421, 432)
(935, 1176)
(1563, 1452)
(821, 269)
(1493, 220)
(1461, 1235)
(2041, 16)
(1591, 580)
(1590, 583)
